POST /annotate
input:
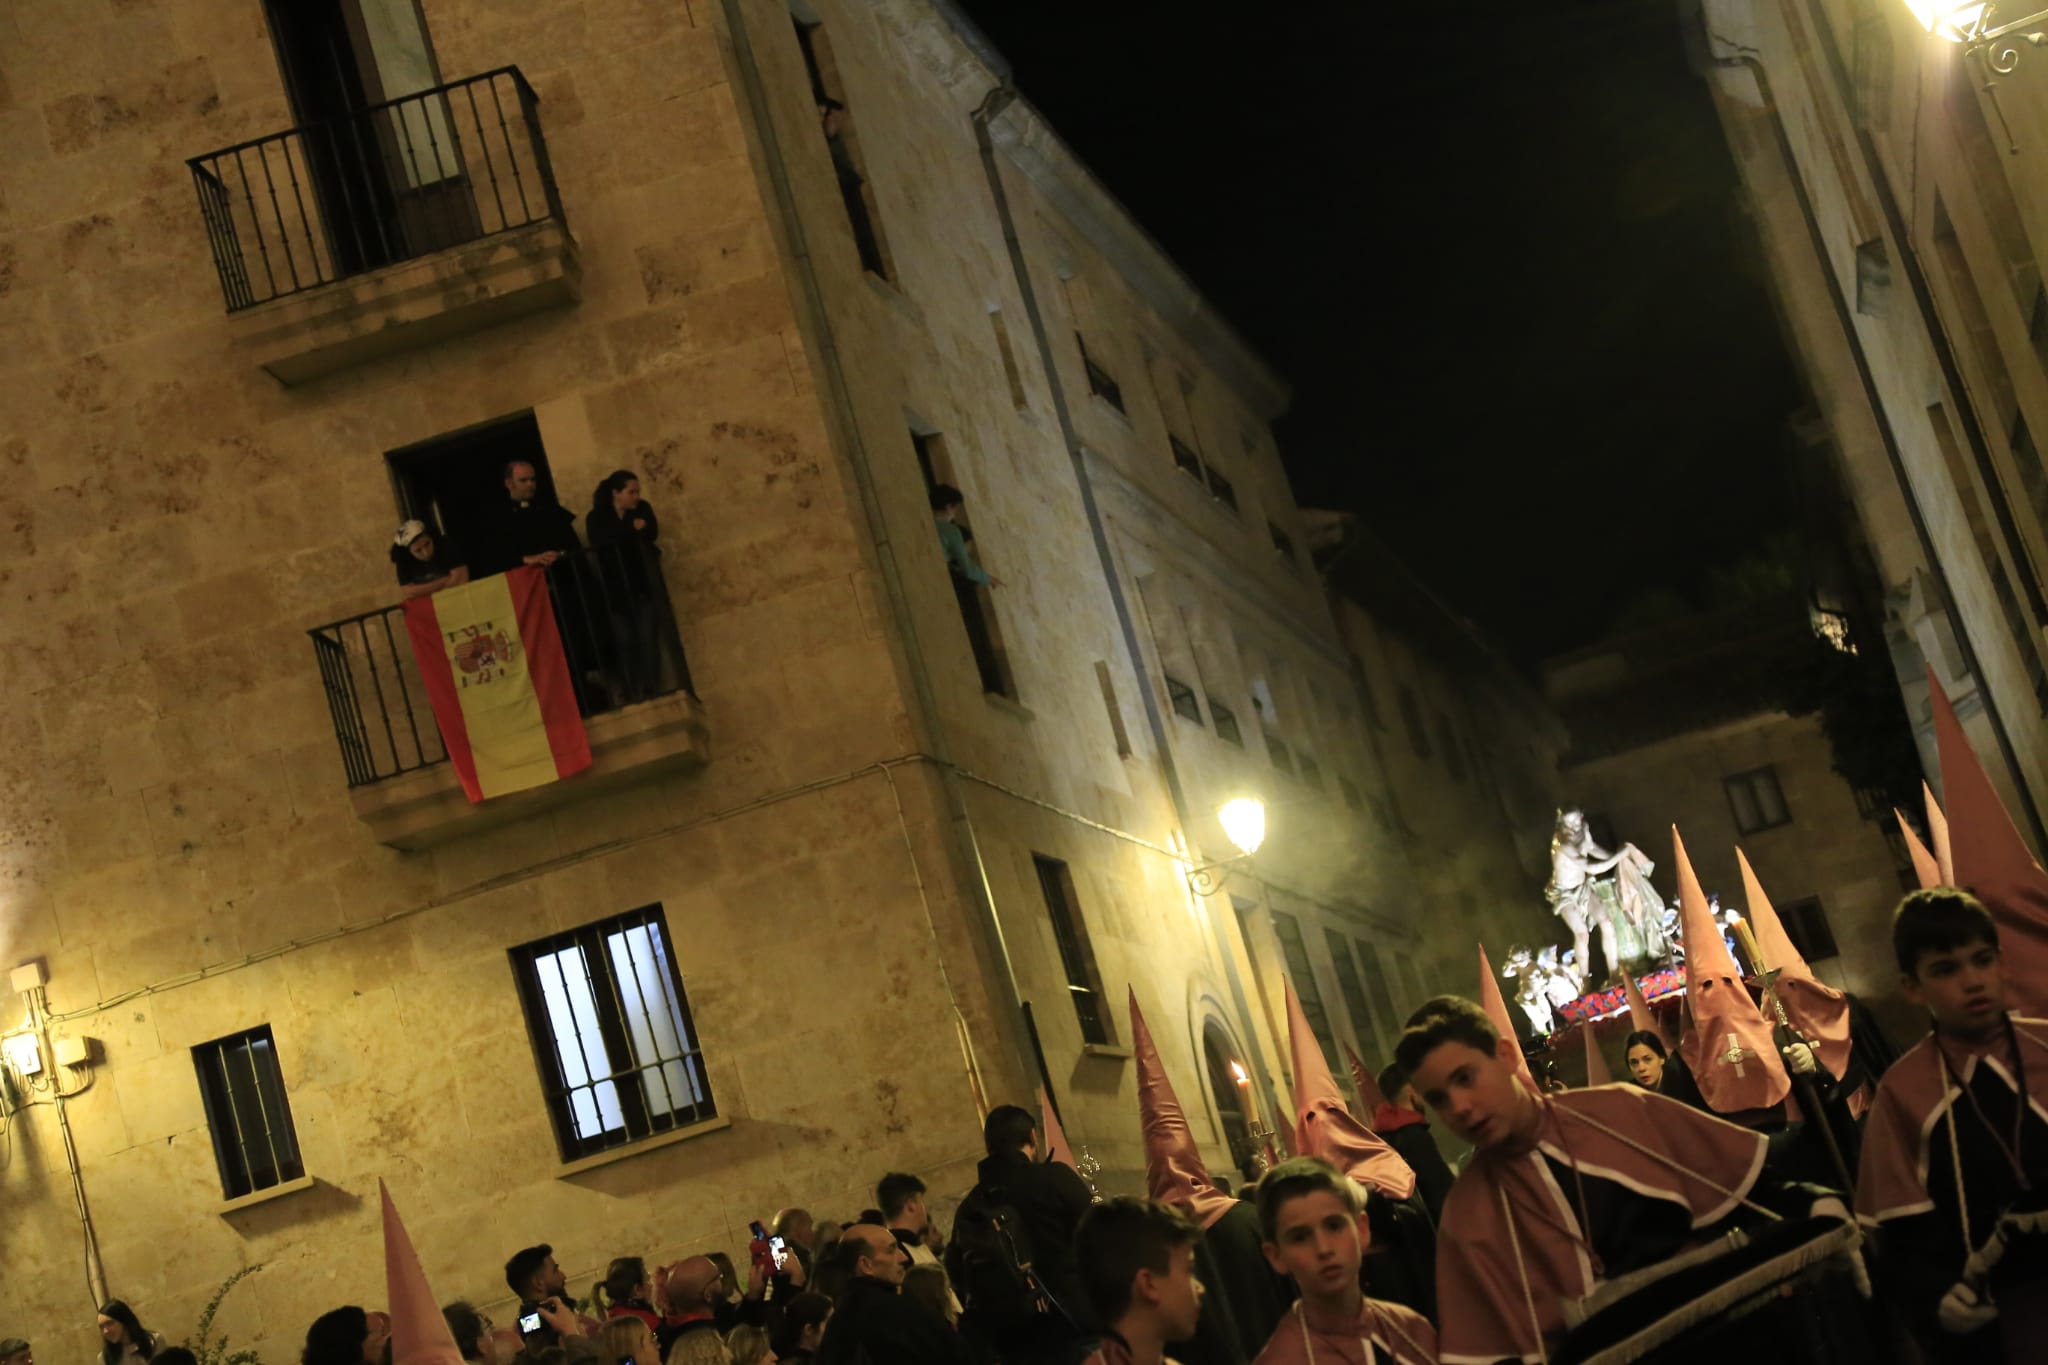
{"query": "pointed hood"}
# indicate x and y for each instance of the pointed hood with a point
(1937, 822)
(419, 1334)
(1926, 870)
(1992, 861)
(1503, 1023)
(1174, 1171)
(1729, 1046)
(1368, 1089)
(1056, 1148)
(1324, 1127)
(1640, 1019)
(1818, 1011)
(1596, 1060)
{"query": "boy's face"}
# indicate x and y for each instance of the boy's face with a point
(1474, 1092)
(1177, 1295)
(1963, 988)
(1318, 1242)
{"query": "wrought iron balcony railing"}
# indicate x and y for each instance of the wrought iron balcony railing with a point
(392, 182)
(618, 631)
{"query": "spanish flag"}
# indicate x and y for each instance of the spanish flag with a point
(493, 666)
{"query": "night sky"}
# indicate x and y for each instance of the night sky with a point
(1497, 251)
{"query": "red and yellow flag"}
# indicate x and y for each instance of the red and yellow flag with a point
(493, 666)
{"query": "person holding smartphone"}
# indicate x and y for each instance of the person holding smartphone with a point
(547, 1315)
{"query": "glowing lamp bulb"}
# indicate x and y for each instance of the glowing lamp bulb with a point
(1950, 19)
(1244, 820)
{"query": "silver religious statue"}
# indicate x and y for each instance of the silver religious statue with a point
(1591, 889)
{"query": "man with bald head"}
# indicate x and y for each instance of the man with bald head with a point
(699, 1300)
(873, 1321)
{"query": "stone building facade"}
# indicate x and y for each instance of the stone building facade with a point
(896, 871)
(1899, 191)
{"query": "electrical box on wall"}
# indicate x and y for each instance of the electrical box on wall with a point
(77, 1051)
(27, 977)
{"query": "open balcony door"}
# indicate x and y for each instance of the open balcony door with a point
(390, 181)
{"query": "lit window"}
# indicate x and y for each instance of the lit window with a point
(611, 1031)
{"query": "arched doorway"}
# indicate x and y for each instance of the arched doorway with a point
(1220, 1054)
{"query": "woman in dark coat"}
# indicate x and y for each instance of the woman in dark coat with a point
(623, 532)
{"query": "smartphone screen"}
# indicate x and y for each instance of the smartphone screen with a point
(779, 1249)
(760, 1233)
(529, 1324)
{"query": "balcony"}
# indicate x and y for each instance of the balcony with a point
(390, 228)
(632, 687)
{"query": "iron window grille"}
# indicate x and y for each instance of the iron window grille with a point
(1183, 698)
(254, 1143)
(1100, 381)
(1348, 985)
(1294, 952)
(1757, 801)
(618, 1056)
(1077, 954)
(1226, 722)
(1352, 796)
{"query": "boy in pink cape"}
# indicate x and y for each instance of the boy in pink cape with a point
(1568, 1191)
(1957, 1145)
(1316, 1234)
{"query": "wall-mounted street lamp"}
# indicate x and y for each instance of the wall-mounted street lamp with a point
(1244, 822)
(1981, 29)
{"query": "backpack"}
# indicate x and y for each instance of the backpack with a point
(990, 1259)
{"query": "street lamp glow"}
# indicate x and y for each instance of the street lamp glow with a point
(1951, 19)
(1244, 820)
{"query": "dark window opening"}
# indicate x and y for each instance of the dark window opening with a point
(1282, 542)
(1185, 459)
(1362, 1026)
(1376, 984)
(1226, 722)
(1221, 489)
(1077, 956)
(1182, 698)
(1454, 756)
(1756, 800)
(455, 484)
(975, 600)
(1418, 729)
(1300, 971)
(1280, 754)
(618, 1056)
(255, 1145)
(1806, 924)
(1116, 712)
(1100, 382)
(842, 143)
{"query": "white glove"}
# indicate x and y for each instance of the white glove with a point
(1963, 1311)
(1799, 1057)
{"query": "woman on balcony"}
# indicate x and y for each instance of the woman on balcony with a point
(623, 531)
(424, 564)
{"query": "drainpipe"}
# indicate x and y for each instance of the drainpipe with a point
(1951, 373)
(835, 393)
(999, 97)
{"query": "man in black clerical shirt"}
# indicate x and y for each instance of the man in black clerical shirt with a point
(526, 529)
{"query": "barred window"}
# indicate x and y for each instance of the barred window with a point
(1077, 954)
(1184, 457)
(1756, 800)
(1281, 756)
(618, 1056)
(1100, 381)
(1226, 722)
(1222, 489)
(254, 1143)
(1183, 699)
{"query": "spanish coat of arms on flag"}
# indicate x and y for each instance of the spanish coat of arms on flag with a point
(492, 661)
